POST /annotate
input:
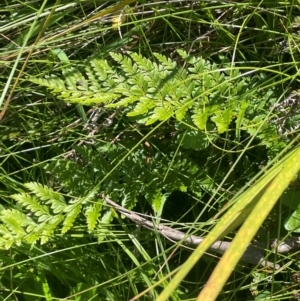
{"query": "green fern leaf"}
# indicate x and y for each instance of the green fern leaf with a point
(6, 238)
(15, 220)
(31, 203)
(142, 63)
(31, 227)
(42, 218)
(106, 218)
(36, 234)
(200, 119)
(161, 114)
(76, 89)
(137, 91)
(166, 62)
(93, 79)
(157, 200)
(117, 57)
(92, 214)
(101, 69)
(18, 227)
(10, 242)
(222, 119)
(145, 104)
(183, 54)
(50, 227)
(126, 64)
(52, 82)
(129, 198)
(155, 91)
(72, 213)
(47, 194)
(74, 80)
(183, 109)
(44, 192)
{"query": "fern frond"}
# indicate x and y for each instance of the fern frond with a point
(101, 69)
(143, 63)
(47, 194)
(53, 83)
(50, 227)
(126, 64)
(47, 210)
(31, 203)
(14, 221)
(158, 90)
(6, 238)
(72, 212)
(92, 214)
(161, 114)
(156, 199)
(74, 80)
(106, 218)
(222, 120)
(166, 62)
(182, 111)
(144, 105)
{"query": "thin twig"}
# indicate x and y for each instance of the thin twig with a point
(254, 253)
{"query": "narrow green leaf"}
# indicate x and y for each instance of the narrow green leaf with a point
(243, 205)
(290, 167)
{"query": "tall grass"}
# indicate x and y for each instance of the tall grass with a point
(119, 260)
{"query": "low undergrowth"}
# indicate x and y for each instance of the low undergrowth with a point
(170, 109)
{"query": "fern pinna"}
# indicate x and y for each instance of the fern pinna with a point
(44, 210)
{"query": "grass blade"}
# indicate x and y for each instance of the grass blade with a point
(259, 199)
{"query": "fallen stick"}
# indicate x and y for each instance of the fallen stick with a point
(254, 253)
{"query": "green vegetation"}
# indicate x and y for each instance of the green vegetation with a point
(187, 113)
